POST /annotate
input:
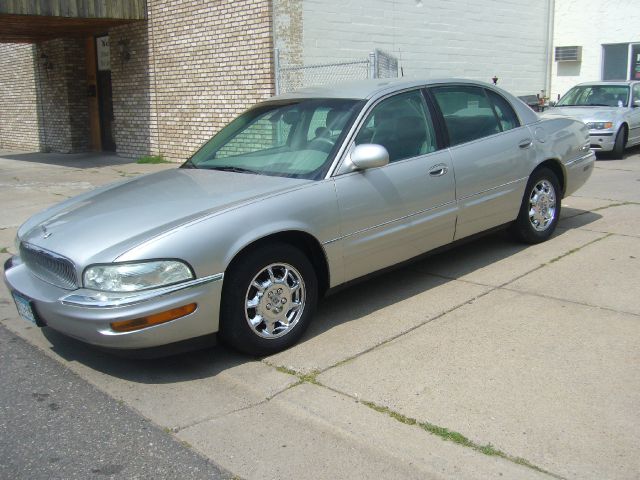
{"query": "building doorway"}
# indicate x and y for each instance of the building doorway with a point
(104, 93)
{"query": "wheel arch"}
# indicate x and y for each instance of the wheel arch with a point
(625, 125)
(306, 242)
(556, 167)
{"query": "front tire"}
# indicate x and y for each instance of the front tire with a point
(268, 298)
(540, 208)
(618, 146)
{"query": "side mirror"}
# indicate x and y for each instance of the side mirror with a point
(369, 155)
(636, 104)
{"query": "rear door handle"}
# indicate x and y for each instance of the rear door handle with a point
(526, 143)
(438, 170)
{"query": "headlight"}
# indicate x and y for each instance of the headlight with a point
(131, 277)
(599, 125)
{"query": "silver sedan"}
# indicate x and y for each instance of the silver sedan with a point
(298, 195)
(611, 110)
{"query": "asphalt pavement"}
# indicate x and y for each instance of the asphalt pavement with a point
(55, 425)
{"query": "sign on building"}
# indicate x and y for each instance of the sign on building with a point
(103, 53)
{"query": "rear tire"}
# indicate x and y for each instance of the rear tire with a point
(621, 140)
(540, 208)
(268, 298)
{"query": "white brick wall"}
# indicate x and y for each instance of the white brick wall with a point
(432, 38)
(590, 24)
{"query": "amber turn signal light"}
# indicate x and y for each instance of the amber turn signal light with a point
(156, 319)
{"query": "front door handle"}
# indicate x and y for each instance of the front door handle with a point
(526, 143)
(438, 170)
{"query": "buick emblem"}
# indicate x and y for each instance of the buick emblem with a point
(45, 233)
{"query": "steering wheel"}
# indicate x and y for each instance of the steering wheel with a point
(322, 144)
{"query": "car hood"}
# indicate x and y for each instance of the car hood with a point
(586, 114)
(101, 225)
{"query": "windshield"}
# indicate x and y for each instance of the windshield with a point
(596, 96)
(293, 138)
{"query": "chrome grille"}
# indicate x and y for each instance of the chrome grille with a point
(49, 267)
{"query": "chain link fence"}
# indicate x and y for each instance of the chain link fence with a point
(385, 65)
(293, 77)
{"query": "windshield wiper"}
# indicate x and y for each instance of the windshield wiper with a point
(232, 169)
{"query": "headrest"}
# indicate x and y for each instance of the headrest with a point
(290, 117)
(336, 119)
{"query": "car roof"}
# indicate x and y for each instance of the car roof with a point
(365, 89)
(373, 89)
(605, 83)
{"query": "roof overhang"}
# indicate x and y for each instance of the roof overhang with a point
(24, 21)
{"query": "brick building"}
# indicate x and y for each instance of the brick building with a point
(162, 76)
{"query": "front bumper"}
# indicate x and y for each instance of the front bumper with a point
(602, 140)
(87, 316)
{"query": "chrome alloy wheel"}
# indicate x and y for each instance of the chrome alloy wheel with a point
(542, 205)
(275, 300)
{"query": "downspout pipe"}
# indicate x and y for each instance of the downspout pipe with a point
(550, 27)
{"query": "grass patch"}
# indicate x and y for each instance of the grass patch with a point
(451, 436)
(4, 250)
(152, 159)
(455, 437)
(309, 377)
(395, 415)
(303, 377)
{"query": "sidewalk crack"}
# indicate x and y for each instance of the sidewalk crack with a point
(455, 437)
(264, 401)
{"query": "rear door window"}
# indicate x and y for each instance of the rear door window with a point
(467, 113)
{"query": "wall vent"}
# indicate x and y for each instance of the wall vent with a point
(568, 54)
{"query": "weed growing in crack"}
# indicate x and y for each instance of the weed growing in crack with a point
(455, 437)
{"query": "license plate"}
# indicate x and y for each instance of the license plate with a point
(24, 308)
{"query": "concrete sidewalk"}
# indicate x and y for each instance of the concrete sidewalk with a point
(491, 360)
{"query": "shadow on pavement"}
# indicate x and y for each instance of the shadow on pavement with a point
(75, 160)
(579, 218)
(182, 367)
(355, 301)
(398, 284)
(635, 150)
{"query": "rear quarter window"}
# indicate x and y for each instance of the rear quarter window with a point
(505, 113)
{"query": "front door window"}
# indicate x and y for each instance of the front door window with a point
(402, 125)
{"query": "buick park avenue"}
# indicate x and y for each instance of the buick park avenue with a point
(298, 195)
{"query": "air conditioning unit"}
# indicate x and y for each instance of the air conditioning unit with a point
(568, 54)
